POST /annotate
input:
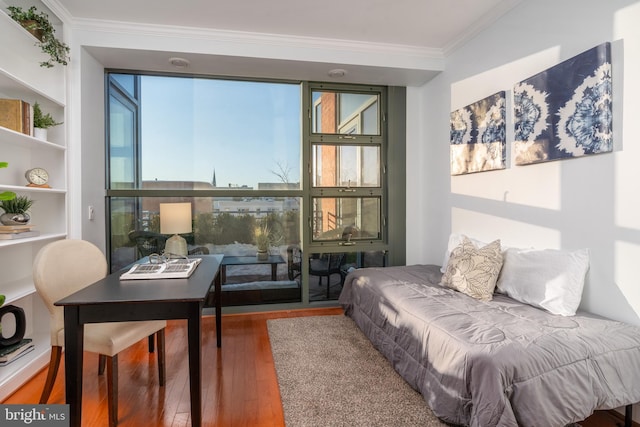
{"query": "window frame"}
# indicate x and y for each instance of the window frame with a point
(315, 193)
(306, 192)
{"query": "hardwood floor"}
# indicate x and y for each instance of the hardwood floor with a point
(239, 382)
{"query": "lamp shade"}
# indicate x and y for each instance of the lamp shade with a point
(175, 218)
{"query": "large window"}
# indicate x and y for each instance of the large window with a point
(235, 150)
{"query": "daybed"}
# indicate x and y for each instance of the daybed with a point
(493, 363)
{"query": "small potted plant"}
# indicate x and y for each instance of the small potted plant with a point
(16, 210)
(38, 24)
(262, 236)
(6, 195)
(41, 122)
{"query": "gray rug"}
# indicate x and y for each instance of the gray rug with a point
(330, 375)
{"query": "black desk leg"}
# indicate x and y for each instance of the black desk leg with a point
(73, 342)
(218, 293)
(195, 362)
(628, 416)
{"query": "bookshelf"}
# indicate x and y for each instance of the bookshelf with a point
(21, 77)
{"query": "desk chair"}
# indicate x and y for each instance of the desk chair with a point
(64, 267)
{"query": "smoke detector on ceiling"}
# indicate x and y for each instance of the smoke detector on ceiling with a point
(179, 62)
(336, 73)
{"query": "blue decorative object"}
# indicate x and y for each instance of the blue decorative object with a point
(566, 110)
(478, 136)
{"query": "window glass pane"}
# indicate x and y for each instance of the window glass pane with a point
(370, 120)
(224, 225)
(221, 225)
(327, 271)
(346, 218)
(203, 133)
(122, 221)
(346, 166)
(317, 117)
(365, 259)
(345, 113)
(126, 81)
(122, 148)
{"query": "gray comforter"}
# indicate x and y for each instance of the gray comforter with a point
(497, 363)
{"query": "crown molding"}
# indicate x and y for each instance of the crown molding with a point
(59, 10)
(241, 37)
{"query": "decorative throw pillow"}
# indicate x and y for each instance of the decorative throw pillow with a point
(472, 270)
(454, 240)
(549, 279)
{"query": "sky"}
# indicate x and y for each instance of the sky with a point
(243, 130)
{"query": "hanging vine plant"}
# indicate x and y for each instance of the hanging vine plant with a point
(38, 24)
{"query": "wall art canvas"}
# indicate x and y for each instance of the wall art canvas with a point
(478, 136)
(565, 111)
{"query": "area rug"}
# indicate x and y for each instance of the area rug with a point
(330, 375)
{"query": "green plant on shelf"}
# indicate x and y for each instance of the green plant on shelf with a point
(38, 24)
(41, 120)
(17, 205)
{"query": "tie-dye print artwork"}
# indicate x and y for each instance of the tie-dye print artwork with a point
(565, 111)
(478, 141)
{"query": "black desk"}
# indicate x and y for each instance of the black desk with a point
(110, 300)
(274, 260)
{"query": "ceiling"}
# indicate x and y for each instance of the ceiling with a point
(434, 25)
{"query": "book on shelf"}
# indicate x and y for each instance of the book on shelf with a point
(10, 353)
(179, 268)
(15, 114)
(16, 228)
(19, 235)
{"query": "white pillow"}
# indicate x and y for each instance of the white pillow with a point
(549, 279)
(454, 240)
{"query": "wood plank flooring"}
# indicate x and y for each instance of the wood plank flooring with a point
(239, 381)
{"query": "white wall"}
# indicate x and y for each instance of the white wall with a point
(92, 164)
(585, 202)
(589, 202)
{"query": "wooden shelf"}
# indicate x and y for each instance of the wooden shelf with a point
(25, 189)
(42, 237)
(21, 140)
(18, 289)
(20, 370)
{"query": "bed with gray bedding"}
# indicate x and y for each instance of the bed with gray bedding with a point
(496, 363)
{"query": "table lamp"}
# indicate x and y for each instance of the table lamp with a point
(175, 218)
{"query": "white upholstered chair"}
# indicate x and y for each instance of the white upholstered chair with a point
(66, 266)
